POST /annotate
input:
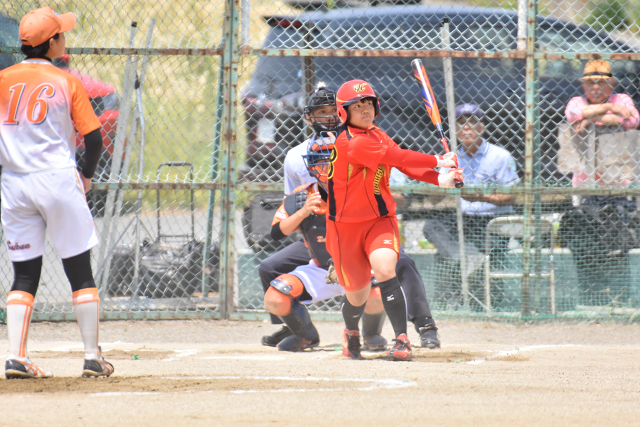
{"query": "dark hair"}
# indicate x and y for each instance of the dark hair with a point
(39, 51)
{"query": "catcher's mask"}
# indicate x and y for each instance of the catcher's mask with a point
(318, 158)
(352, 91)
(323, 96)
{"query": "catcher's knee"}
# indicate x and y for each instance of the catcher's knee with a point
(374, 301)
(283, 289)
(275, 302)
(288, 284)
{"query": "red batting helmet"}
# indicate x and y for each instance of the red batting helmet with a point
(352, 91)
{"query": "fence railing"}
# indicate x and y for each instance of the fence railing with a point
(201, 101)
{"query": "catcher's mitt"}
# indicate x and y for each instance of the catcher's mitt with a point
(331, 277)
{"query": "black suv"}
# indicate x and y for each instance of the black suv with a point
(273, 98)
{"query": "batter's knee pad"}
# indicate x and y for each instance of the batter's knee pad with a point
(278, 298)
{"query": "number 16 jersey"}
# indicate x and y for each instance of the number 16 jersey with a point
(37, 104)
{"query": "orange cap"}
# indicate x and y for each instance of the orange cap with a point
(39, 25)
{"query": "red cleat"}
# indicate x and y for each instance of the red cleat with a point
(401, 349)
(351, 344)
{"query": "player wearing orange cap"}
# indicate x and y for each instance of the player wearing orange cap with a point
(362, 228)
(41, 187)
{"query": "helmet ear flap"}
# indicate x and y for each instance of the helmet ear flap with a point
(343, 114)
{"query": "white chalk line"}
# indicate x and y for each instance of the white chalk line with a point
(256, 357)
(180, 354)
(383, 383)
(371, 384)
(503, 353)
(124, 393)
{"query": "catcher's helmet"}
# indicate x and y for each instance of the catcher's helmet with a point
(352, 91)
(323, 96)
(320, 152)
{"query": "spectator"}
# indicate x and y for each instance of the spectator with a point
(606, 117)
(600, 106)
(484, 164)
(600, 231)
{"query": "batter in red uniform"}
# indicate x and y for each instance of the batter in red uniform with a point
(362, 228)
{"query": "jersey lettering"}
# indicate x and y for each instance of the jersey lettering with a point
(16, 95)
(37, 108)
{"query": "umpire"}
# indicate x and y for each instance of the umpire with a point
(296, 254)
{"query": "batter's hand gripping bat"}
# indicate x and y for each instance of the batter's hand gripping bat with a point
(429, 102)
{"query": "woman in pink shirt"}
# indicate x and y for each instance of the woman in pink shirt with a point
(599, 105)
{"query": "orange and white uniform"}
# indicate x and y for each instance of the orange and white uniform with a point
(40, 109)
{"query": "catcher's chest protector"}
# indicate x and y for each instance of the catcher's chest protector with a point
(313, 228)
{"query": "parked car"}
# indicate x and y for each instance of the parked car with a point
(104, 100)
(273, 97)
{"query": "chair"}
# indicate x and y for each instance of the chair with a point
(513, 226)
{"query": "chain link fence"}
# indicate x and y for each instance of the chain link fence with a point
(201, 101)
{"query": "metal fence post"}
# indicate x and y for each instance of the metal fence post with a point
(531, 96)
(229, 132)
(215, 163)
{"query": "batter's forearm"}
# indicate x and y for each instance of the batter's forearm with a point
(400, 158)
(421, 174)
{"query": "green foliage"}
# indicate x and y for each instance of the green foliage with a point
(609, 15)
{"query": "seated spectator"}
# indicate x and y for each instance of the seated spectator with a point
(484, 164)
(602, 229)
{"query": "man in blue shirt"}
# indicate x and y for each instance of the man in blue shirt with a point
(485, 165)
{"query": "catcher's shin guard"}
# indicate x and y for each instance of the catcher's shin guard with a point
(372, 331)
(372, 323)
(306, 334)
(298, 319)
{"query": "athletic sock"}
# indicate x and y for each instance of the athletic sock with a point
(86, 306)
(394, 304)
(19, 309)
(351, 314)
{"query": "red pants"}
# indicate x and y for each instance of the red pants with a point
(351, 244)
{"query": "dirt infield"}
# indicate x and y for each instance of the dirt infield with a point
(191, 373)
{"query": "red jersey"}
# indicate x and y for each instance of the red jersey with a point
(359, 175)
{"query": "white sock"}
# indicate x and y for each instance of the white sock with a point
(19, 309)
(86, 305)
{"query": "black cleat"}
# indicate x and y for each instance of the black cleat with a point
(97, 367)
(375, 343)
(429, 336)
(275, 338)
(17, 369)
(295, 343)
